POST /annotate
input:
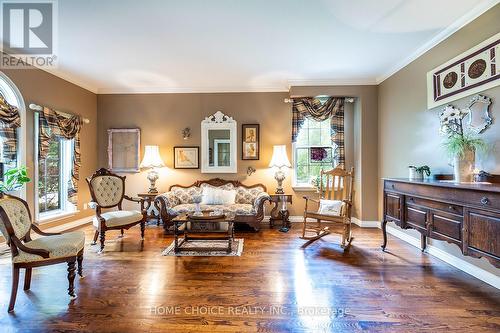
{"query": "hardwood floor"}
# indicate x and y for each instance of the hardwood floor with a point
(275, 286)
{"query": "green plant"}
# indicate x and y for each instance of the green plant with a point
(458, 144)
(14, 179)
(424, 169)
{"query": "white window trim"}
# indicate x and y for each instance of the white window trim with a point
(11, 93)
(67, 209)
(300, 187)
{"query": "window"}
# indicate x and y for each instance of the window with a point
(313, 150)
(12, 95)
(53, 178)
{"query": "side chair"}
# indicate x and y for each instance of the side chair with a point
(334, 205)
(108, 191)
(49, 249)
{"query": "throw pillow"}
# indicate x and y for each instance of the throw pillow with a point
(330, 207)
(216, 196)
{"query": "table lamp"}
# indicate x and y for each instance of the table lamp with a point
(279, 161)
(152, 160)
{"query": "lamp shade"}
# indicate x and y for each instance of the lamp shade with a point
(152, 158)
(280, 159)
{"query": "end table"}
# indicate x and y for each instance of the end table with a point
(149, 199)
(280, 214)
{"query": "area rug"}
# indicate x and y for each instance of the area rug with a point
(236, 249)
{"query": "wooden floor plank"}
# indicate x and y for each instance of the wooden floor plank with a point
(275, 286)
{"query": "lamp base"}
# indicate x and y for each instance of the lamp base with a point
(152, 177)
(280, 177)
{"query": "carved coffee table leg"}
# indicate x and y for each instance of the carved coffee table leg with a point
(384, 234)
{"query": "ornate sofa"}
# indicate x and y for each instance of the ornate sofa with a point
(248, 206)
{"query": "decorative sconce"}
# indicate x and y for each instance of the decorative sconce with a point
(250, 170)
(186, 133)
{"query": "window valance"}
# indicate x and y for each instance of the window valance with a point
(55, 125)
(10, 121)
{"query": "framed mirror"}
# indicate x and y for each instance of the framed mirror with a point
(478, 114)
(218, 144)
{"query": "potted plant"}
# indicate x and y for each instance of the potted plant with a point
(417, 173)
(460, 144)
(14, 179)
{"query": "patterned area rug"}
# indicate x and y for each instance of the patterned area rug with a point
(236, 248)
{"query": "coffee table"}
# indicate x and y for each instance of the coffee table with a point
(206, 227)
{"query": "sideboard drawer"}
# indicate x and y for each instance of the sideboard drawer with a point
(416, 217)
(447, 207)
(446, 226)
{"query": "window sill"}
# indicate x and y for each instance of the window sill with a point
(303, 188)
(55, 216)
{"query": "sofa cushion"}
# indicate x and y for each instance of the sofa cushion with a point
(59, 246)
(119, 217)
(185, 195)
(238, 209)
(247, 195)
(218, 196)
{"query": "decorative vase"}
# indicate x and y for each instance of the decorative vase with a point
(414, 174)
(463, 167)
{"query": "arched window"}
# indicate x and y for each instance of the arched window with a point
(12, 95)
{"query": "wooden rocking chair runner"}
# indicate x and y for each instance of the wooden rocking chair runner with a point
(335, 184)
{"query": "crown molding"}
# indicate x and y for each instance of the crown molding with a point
(188, 90)
(332, 82)
(445, 33)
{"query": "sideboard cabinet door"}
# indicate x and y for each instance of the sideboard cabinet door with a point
(481, 229)
(392, 207)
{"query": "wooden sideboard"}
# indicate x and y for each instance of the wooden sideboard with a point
(467, 215)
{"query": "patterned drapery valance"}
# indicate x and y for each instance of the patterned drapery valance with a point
(10, 121)
(54, 125)
(313, 108)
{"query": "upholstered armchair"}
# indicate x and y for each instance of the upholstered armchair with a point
(108, 191)
(49, 249)
(334, 206)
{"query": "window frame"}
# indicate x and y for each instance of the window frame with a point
(12, 94)
(295, 184)
(65, 152)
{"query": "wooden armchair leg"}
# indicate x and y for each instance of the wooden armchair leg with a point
(102, 239)
(71, 279)
(15, 283)
(95, 237)
(304, 225)
(27, 279)
(143, 227)
(121, 233)
(347, 236)
(79, 260)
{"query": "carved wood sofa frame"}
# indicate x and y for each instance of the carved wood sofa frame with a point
(101, 230)
(251, 220)
(16, 244)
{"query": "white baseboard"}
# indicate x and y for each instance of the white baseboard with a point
(358, 222)
(457, 262)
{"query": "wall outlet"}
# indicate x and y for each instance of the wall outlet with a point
(85, 206)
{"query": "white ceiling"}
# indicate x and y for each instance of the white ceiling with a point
(115, 46)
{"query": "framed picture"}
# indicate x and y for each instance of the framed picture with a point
(471, 72)
(250, 137)
(186, 157)
(124, 149)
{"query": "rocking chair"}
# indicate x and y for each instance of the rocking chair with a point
(335, 205)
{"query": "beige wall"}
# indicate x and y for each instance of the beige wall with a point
(40, 87)
(161, 117)
(408, 132)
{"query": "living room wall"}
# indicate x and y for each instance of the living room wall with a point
(408, 131)
(161, 117)
(42, 88)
